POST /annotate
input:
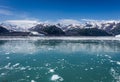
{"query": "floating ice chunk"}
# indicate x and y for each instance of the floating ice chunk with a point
(22, 68)
(47, 64)
(56, 78)
(7, 53)
(51, 70)
(37, 77)
(7, 66)
(118, 62)
(34, 59)
(7, 57)
(63, 59)
(29, 68)
(2, 74)
(91, 68)
(112, 61)
(86, 69)
(115, 75)
(33, 81)
(50, 48)
(17, 64)
(117, 36)
(28, 76)
(80, 77)
(108, 56)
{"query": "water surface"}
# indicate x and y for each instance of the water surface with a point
(59, 60)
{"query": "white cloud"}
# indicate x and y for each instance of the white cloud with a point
(5, 12)
(86, 20)
(23, 23)
(62, 21)
(68, 21)
(100, 21)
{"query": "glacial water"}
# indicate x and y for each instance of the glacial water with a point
(57, 60)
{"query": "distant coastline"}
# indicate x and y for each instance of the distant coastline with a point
(68, 38)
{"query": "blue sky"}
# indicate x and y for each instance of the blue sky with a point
(59, 9)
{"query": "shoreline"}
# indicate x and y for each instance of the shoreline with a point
(59, 38)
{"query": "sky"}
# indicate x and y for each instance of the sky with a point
(46, 10)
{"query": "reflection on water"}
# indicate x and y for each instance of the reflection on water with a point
(59, 61)
(28, 47)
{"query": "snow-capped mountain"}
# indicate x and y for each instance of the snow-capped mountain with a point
(12, 27)
(110, 27)
(17, 27)
(102, 24)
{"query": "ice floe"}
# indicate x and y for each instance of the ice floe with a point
(2, 74)
(28, 76)
(56, 77)
(51, 70)
(7, 53)
(118, 62)
(7, 66)
(7, 57)
(33, 81)
(17, 64)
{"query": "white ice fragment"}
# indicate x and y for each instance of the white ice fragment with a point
(27, 76)
(50, 49)
(118, 62)
(37, 77)
(17, 64)
(7, 57)
(91, 68)
(7, 53)
(2, 74)
(29, 68)
(63, 59)
(22, 68)
(86, 69)
(56, 78)
(34, 59)
(108, 56)
(112, 61)
(7, 66)
(47, 64)
(115, 75)
(33, 81)
(80, 77)
(51, 70)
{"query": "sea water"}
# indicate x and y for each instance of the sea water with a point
(59, 60)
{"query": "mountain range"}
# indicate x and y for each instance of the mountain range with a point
(88, 28)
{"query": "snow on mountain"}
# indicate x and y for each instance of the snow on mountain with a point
(103, 24)
(12, 27)
(24, 25)
(18, 25)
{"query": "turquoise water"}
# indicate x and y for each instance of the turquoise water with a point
(59, 61)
